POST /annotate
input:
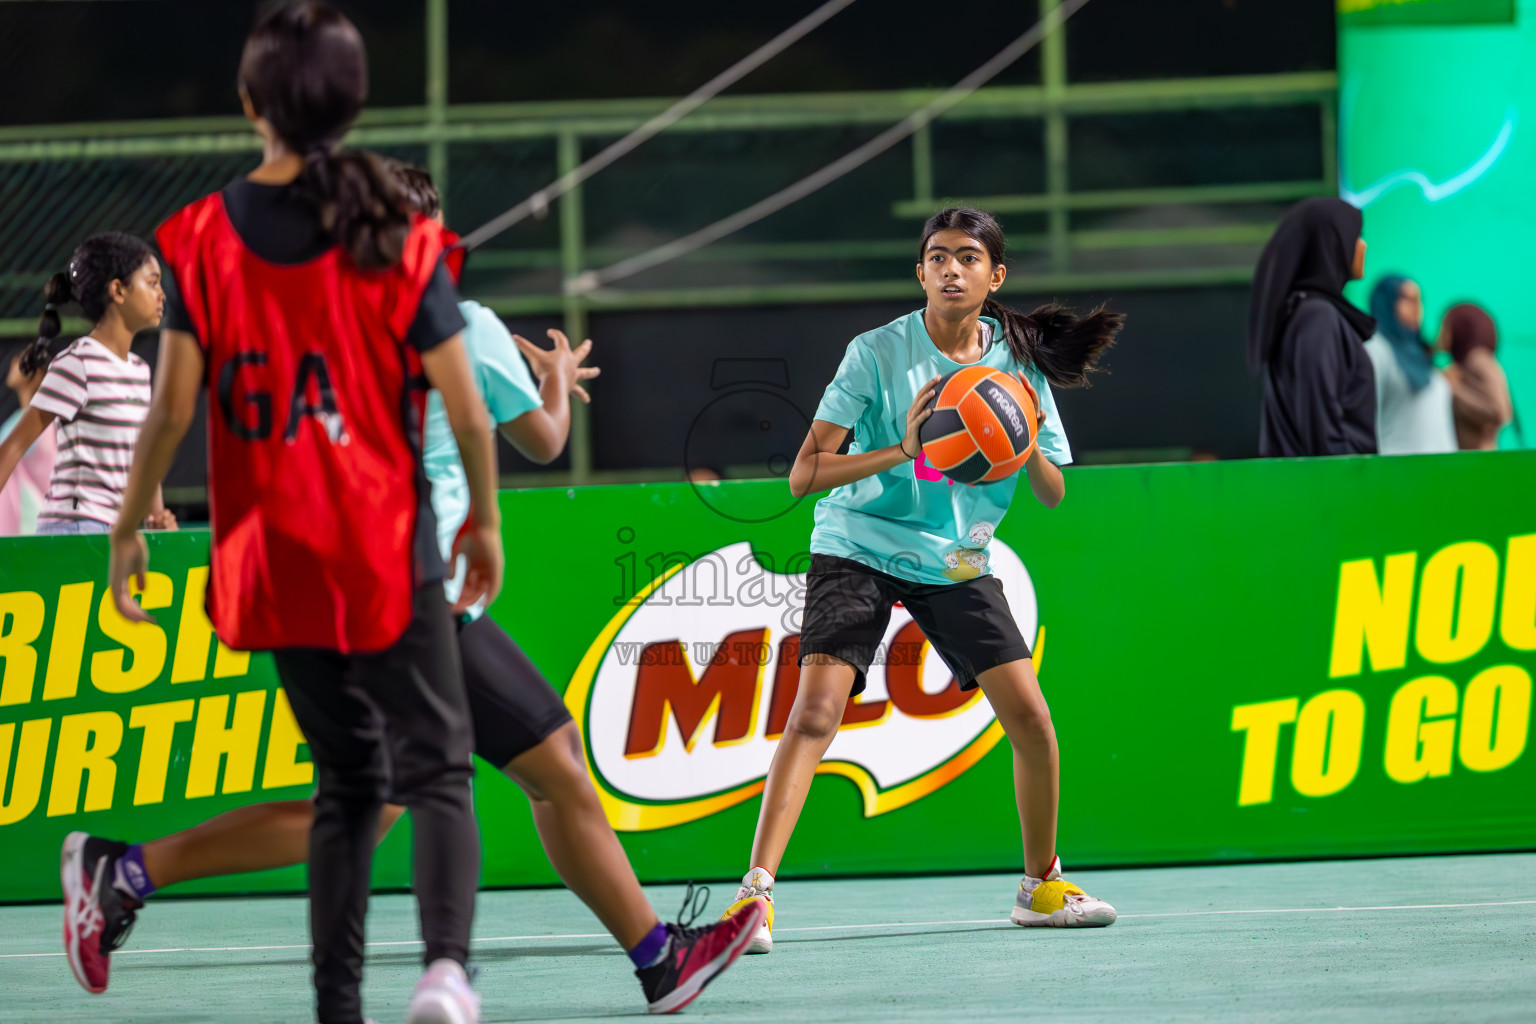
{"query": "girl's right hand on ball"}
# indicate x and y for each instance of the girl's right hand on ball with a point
(1034, 397)
(912, 443)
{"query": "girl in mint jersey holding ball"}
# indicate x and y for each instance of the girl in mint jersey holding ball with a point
(893, 530)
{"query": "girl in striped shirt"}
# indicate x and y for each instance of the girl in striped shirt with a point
(96, 388)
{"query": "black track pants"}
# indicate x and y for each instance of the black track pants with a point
(393, 725)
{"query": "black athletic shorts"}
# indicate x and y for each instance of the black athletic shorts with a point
(848, 607)
(513, 706)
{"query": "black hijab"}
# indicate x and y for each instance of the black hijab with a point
(1311, 252)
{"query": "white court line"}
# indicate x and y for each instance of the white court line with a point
(1337, 910)
(242, 949)
(838, 927)
(1182, 913)
(520, 938)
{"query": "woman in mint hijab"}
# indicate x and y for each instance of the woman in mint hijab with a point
(1413, 399)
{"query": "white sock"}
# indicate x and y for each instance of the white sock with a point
(759, 879)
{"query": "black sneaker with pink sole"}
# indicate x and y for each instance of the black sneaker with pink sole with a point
(696, 956)
(97, 917)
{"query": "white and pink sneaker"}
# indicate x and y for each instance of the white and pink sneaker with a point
(97, 917)
(443, 996)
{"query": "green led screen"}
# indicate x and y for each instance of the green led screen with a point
(1437, 124)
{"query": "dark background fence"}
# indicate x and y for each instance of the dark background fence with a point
(1147, 177)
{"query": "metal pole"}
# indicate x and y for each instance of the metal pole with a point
(437, 94)
(1330, 124)
(1053, 74)
(572, 260)
(922, 163)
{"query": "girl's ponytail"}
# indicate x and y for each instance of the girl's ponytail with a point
(1061, 345)
(305, 72)
(361, 204)
(36, 357)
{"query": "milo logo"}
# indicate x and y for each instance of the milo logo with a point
(686, 692)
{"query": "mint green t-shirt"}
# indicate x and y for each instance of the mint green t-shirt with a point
(911, 521)
(508, 389)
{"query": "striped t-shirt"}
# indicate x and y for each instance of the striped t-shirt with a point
(101, 402)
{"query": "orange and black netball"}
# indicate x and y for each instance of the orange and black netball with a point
(983, 425)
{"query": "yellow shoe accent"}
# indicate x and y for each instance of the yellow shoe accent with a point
(762, 942)
(767, 902)
(1060, 904)
(1050, 897)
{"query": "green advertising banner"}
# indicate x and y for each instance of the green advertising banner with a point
(1437, 145)
(1355, 13)
(1243, 660)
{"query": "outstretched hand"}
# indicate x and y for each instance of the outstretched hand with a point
(562, 360)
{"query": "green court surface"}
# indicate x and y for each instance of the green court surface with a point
(1411, 939)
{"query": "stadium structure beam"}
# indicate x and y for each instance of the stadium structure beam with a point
(437, 95)
(508, 121)
(1053, 75)
(572, 306)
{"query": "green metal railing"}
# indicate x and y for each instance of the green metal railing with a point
(437, 127)
(569, 124)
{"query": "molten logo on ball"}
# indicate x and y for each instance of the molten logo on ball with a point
(983, 425)
(1001, 402)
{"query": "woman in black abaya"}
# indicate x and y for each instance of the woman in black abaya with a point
(1306, 341)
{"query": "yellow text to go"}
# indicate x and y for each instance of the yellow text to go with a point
(1432, 724)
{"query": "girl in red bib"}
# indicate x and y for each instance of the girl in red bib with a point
(316, 307)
